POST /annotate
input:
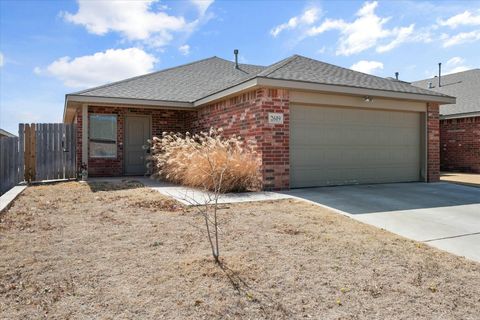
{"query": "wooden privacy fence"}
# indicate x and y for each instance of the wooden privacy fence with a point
(11, 172)
(49, 151)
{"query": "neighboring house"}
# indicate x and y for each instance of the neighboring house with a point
(459, 122)
(6, 134)
(315, 124)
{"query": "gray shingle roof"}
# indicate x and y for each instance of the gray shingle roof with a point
(196, 80)
(185, 83)
(463, 85)
(309, 70)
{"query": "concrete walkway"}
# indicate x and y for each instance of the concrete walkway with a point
(7, 198)
(446, 216)
(191, 196)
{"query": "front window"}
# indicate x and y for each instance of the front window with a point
(103, 136)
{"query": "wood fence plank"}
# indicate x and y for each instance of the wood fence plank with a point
(14, 166)
(33, 150)
(57, 149)
(62, 154)
(21, 148)
(67, 153)
(12, 163)
(8, 161)
(73, 150)
(3, 182)
(38, 151)
(3, 165)
(28, 170)
(42, 160)
(50, 157)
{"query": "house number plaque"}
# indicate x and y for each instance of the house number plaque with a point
(275, 118)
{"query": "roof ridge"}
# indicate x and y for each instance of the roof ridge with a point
(447, 75)
(143, 75)
(277, 65)
(242, 64)
(354, 71)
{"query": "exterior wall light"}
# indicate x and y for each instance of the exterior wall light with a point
(367, 99)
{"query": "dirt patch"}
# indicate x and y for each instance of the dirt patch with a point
(130, 253)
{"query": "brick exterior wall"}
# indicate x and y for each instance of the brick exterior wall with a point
(162, 120)
(247, 115)
(433, 134)
(460, 144)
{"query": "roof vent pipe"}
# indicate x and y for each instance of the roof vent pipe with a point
(396, 75)
(235, 52)
(439, 74)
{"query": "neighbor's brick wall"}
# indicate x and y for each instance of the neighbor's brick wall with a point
(433, 152)
(460, 144)
(162, 120)
(247, 115)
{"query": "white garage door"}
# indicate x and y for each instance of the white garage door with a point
(336, 146)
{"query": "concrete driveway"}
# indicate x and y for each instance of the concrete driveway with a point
(446, 216)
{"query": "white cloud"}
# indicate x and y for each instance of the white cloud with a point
(460, 38)
(100, 68)
(366, 31)
(308, 17)
(457, 69)
(135, 20)
(184, 49)
(455, 64)
(455, 61)
(466, 18)
(1, 60)
(403, 35)
(367, 66)
(202, 5)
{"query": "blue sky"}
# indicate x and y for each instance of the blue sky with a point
(50, 48)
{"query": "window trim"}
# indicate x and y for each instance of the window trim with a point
(102, 140)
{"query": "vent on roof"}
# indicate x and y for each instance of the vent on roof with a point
(235, 52)
(430, 85)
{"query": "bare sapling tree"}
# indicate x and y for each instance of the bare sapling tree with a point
(211, 163)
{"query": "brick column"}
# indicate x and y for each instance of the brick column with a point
(433, 151)
(274, 145)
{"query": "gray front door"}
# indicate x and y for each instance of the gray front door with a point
(137, 132)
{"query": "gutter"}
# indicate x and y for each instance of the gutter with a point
(460, 115)
(327, 88)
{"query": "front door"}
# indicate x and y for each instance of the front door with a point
(137, 132)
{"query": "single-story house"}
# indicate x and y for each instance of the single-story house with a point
(460, 121)
(6, 134)
(315, 124)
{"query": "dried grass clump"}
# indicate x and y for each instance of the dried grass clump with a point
(204, 159)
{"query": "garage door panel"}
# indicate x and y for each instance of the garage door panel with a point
(331, 145)
(330, 134)
(345, 156)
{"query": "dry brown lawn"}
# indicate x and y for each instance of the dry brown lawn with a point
(73, 251)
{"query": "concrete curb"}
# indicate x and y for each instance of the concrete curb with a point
(7, 199)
